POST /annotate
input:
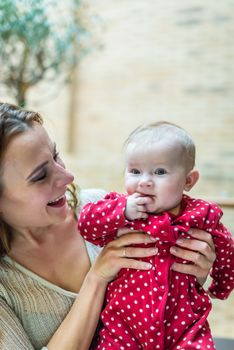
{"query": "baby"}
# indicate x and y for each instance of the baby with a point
(160, 308)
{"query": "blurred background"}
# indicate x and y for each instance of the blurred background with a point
(98, 69)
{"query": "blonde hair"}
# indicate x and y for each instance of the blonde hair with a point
(163, 130)
(14, 121)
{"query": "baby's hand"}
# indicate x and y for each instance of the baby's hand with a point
(136, 207)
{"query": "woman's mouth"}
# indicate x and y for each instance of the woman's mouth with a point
(58, 202)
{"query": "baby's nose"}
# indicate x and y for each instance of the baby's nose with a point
(146, 181)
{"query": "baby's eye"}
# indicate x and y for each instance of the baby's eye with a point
(160, 171)
(134, 171)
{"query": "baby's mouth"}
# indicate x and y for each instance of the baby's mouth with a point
(147, 195)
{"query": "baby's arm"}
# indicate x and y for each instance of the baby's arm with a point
(223, 267)
(99, 221)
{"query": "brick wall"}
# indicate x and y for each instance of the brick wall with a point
(159, 60)
(153, 60)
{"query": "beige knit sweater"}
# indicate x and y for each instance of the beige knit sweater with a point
(31, 308)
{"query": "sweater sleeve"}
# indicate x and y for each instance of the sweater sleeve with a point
(12, 334)
(99, 221)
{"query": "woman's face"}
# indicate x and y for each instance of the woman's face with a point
(34, 181)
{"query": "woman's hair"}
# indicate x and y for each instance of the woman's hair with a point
(14, 121)
(154, 132)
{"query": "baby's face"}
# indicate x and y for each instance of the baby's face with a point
(156, 170)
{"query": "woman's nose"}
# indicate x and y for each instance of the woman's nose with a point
(63, 177)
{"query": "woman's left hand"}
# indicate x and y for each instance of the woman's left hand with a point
(200, 250)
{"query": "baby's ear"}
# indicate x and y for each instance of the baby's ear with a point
(191, 178)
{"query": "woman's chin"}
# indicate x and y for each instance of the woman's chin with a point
(59, 212)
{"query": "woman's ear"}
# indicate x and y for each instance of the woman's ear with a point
(191, 178)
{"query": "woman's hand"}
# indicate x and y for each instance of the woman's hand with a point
(120, 254)
(201, 252)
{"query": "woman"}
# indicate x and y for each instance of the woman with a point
(51, 290)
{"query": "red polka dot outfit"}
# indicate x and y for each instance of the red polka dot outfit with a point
(159, 308)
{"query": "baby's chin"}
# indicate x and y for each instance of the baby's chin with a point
(153, 209)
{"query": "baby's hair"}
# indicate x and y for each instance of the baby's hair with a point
(146, 134)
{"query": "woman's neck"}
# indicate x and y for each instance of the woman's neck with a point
(60, 256)
(33, 239)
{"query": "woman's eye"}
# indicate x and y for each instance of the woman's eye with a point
(56, 156)
(59, 160)
(40, 177)
(134, 171)
(160, 171)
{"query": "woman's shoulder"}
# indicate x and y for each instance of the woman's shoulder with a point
(5, 267)
(7, 274)
(90, 195)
